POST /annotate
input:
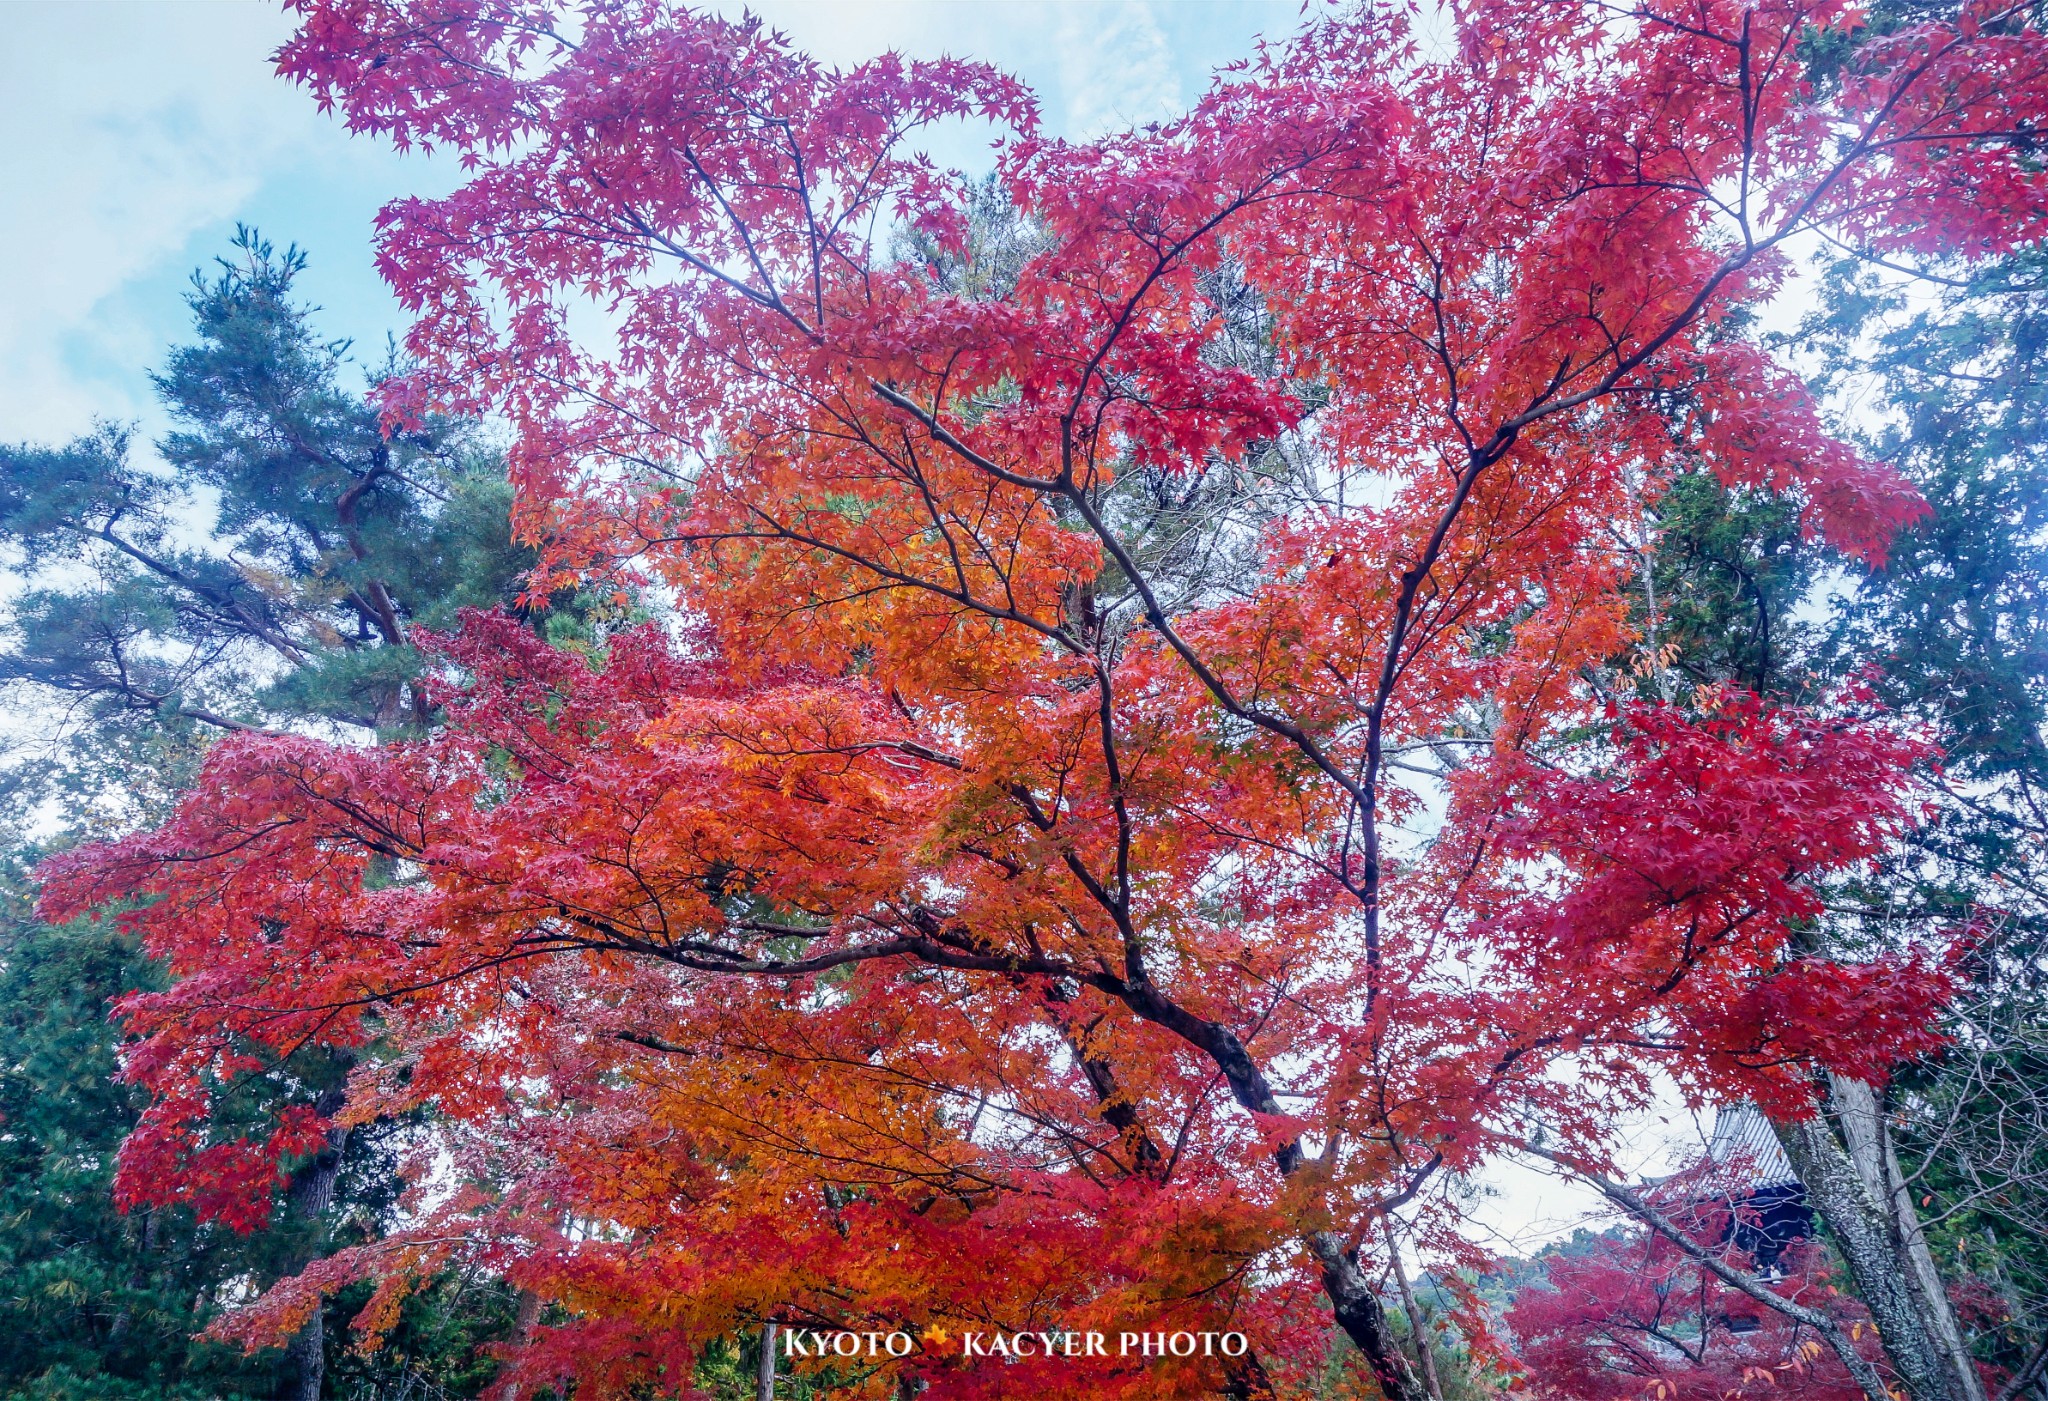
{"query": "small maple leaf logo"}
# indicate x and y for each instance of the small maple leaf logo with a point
(935, 1337)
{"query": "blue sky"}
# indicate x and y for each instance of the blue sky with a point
(134, 136)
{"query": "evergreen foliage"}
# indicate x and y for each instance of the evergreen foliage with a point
(96, 1304)
(1952, 381)
(329, 541)
(143, 631)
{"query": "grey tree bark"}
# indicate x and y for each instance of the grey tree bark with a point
(1852, 1179)
(764, 1377)
(1870, 1148)
(1418, 1328)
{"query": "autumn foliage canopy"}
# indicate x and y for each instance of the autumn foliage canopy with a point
(1137, 777)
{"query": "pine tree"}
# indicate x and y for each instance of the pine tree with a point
(142, 634)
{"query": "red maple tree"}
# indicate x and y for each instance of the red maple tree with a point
(1001, 900)
(1628, 1314)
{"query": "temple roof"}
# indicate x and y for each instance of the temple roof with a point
(1745, 1146)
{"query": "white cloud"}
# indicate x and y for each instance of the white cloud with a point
(126, 128)
(1116, 67)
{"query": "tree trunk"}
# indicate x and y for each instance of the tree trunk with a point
(1870, 1149)
(1849, 1187)
(1353, 1302)
(764, 1377)
(1418, 1329)
(1359, 1313)
(311, 1192)
(306, 1362)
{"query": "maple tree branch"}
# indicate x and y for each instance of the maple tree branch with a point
(1113, 769)
(655, 1043)
(1352, 1296)
(778, 531)
(945, 436)
(1117, 1108)
(765, 297)
(1155, 614)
